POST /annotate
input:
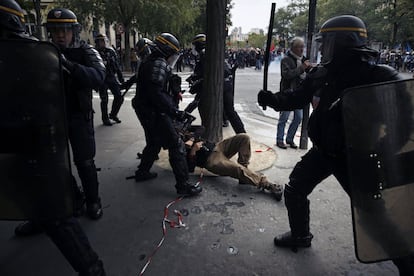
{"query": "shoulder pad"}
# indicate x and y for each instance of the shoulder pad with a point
(159, 71)
(383, 72)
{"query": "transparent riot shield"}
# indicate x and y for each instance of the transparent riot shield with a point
(35, 174)
(378, 122)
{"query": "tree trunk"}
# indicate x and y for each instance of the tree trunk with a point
(211, 102)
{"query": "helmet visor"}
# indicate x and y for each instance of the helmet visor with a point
(62, 35)
(172, 60)
(326, 45)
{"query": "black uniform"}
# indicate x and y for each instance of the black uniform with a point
(112, 68)
(84, 71)
(327, 156)
(156, 110)
(87, 72)
(228, 93)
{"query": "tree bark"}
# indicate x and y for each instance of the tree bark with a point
(211, 102)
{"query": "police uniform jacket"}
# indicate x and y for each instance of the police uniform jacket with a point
(326, 129)
(88, 73)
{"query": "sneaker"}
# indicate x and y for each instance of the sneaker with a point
(281, 145)
(274, 189)
(94, 210)
(188, 189)
(144, 175)
(27, 228)
(292, 145)
(115, 119)
(287, 240)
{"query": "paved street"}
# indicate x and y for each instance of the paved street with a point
(229, 228)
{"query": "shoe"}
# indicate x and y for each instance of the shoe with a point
(106, 122)
(188, 189)
(27, 228)
(275, 189)
(292, 145)
(140, 155)
(94, 210)
(281, 145)
(79, 208)
(287, 240)
(115, 119)
(144, 175)
(95, 269)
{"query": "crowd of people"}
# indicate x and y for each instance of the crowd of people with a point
(158, 93)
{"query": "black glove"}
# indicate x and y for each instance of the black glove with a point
(263, 98)
(67, 64)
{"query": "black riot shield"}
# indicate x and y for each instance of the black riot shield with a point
(35, 175)
(378, 122)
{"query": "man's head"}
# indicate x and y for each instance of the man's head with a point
(342, 36)
(199, 44)
(101, 41)
(143, 47)
(11, 19)
(63, 28)
(297, 46)
(168, 46)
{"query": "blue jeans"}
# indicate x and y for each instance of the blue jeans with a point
(284, 116)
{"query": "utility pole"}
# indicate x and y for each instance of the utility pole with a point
(311, 29)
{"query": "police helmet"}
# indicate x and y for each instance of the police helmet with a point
(143, 47)
(101, 37)
(64, 18)
(199, 42)
(341, 35)
(167, 44)
(11, 17)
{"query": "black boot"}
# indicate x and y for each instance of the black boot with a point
(188, 189)
(28, 228)
(95, 270)
(141, 175)
(104, 111)
(287, 240)
(114, 118)
(297, 206)
(94, 210)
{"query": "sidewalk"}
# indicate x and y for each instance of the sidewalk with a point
(229, 228)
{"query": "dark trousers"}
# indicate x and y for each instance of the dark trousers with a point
(229, 111)
(111, 84)
(69, 237)
(307, 174)
(160, 132)
(82, 141)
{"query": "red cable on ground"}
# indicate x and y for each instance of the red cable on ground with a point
(259, 150)
(173, 224)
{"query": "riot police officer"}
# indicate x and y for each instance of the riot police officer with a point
(110, 58)
(85, 72)
(198, 49)
(143, 49)
(157, 111)
(344, 64)
(66, 233)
